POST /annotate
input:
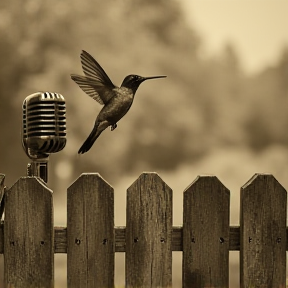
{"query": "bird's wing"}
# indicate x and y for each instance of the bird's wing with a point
(92, 68)
(96, 82)
(93, 88)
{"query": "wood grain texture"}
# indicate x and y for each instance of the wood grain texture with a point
(206, 234)
(28, 230)
(91, 238)
(90, 233)
(263, 233)
(2, 192)
(149, 233)
(60, 239)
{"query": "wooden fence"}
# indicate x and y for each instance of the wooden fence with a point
(29, 239)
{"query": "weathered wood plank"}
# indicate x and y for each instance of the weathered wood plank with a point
(206, 234)
(28, 230)
(149, 233)
(120, 239)
(90, 233)
(234, 238)
(2, 192)
(177, 238)
(60, 239)
(263, 233)
(1, 238)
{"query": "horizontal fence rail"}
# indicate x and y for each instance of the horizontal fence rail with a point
(60, 239)
(28, 238)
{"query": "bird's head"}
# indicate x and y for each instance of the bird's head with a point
(133, 81)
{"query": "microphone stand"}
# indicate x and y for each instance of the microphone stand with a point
(38, 168)
(39, 165)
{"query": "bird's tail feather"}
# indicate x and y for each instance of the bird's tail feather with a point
(90, 140)
(97, 130)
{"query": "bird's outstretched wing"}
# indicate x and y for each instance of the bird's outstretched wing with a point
(93, 88)
(92, 68)
(96, 83)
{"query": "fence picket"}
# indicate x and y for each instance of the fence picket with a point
(29, 239)
(263, 233)
(149, 233)
(2, 191)
(206, 234)
(90, 233)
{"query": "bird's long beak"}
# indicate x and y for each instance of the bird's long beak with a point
(153, 77)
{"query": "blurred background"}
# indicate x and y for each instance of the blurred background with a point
(222, 110)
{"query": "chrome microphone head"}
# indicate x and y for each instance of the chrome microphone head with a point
(44, 124)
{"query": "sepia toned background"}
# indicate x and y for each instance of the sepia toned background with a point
(222, 109)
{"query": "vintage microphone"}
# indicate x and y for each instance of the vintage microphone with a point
(43, 130)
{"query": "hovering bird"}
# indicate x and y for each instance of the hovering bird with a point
(116, 100)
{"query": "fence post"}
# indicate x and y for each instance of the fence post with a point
(90, 233)
(28, 235)
(2, 191)
(149, 233)
(263, 233)
(206, 234)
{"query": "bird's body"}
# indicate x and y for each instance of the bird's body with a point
(121, 102)
(116, 100)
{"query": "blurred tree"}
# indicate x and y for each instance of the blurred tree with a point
(41, 49)
(267, 118)
(203, 104)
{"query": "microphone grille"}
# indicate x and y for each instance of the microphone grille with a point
(44, 122)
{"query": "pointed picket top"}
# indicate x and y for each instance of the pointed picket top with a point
(31, 180)
(263, 179)
(206, 233)
(206, 180)
(148, 177)
(88, 177)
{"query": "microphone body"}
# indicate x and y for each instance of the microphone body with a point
(43, 129)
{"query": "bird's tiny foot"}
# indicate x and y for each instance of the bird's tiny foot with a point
(113, 126)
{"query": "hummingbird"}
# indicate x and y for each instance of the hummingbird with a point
(116, 100)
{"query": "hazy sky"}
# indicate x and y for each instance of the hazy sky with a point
(258, 28)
